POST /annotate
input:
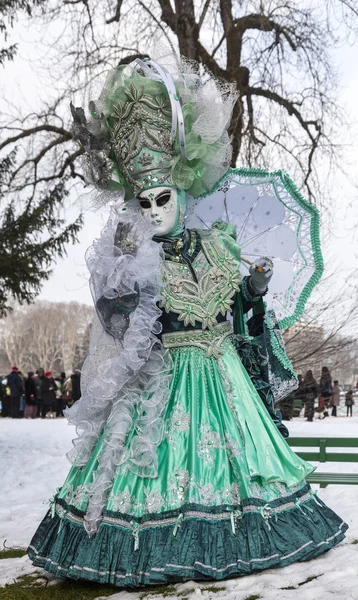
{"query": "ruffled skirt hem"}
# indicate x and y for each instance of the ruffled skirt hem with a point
(193, 543)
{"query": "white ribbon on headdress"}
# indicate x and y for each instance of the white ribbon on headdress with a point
(152, 68)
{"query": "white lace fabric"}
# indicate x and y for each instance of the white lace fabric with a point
(122, 377)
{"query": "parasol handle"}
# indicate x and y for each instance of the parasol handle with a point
(249, 262)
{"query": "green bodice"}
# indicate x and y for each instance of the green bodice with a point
(201, 280)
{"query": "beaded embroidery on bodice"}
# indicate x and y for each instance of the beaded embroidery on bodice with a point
(218, 280)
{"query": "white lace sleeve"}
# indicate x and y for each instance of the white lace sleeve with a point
(124, 376)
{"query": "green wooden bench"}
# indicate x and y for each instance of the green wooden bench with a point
(323, 454)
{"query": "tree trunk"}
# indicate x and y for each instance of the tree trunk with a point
(187, 29)
(241, 78)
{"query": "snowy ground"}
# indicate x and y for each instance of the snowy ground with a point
(33, 465)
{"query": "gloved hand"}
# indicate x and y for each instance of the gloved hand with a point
(124, 240)
(261, 273)
(114, 313)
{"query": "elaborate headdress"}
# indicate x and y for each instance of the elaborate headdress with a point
(150, 127)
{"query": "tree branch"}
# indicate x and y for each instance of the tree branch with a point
(290, 108)
(67, 135)
(35, 160)
(262, 23)
(233, 41)
(69, 162)
(158, 23)
(210, 62)
(168, 15)
(203, 14)
(218, 45)
(117, 14)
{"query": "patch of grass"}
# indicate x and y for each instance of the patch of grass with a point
(355, 542)
(294, 587)
(12, 553)
(34, 587)
(289, 587)
(164, 590)
(311, 578)
(34, 579)
(252, 597)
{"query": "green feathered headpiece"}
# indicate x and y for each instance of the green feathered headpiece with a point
(158, 129)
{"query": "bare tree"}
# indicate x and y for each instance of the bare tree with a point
(46, 334)
(14, 335)
(73, 322)
(277, 54)
(327, 335)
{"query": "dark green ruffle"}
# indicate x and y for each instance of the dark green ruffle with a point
(202, 548)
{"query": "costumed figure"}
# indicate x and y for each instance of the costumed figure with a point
(181, 469)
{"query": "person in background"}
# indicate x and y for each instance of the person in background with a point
(6, 399)
(22, 397)
(30, 396)
(310, 392)
(349, 402)
(48, 390)
(2, 391)
(2, 396)
(76, 385)
(16, 385)
(60, 392)
(63, 379)
(39, 379)
(325, 386)
(68, 392)
(336, 398)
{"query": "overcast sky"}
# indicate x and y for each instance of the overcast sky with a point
(69, 279)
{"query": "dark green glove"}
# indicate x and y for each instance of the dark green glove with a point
(114, 313)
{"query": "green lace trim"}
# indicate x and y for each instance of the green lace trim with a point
(277, 349)
(246, 294)
(287, 501)
(210, 341)
(314, 231)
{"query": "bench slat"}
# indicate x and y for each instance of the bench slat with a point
(310, 456)
(329, 457)
(330, 442)
(321, 455)
(335, 476)
(324, 479)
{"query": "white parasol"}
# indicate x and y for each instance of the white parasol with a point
(272, 219)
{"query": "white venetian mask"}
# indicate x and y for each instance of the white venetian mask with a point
(160, 205)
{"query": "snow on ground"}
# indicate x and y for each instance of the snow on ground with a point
(33, 465)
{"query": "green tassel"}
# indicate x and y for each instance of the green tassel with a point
(178, 524)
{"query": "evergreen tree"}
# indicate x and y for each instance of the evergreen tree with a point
(32, 235)
(8, 11)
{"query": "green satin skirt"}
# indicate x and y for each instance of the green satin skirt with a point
(230, 497)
